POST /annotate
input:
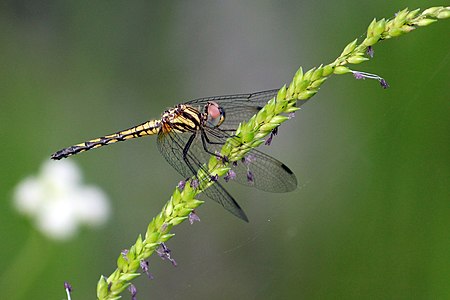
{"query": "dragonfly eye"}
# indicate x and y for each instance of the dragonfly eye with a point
(215, 114)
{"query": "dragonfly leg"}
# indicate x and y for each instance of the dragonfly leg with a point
(186, 160)
(205, 140)
(187, 146)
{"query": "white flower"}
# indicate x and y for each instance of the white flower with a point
(58, 202)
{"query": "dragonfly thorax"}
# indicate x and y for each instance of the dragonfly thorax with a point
(181, 118)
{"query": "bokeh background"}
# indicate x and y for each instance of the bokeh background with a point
(371, 216)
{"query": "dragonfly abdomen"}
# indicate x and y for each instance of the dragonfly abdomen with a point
(144, 129)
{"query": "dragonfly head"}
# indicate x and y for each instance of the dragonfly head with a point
(215, 114)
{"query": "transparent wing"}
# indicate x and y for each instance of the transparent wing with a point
(268, 173)
(238, 108)
(171, 146)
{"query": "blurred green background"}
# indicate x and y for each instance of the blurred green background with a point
(371, 216)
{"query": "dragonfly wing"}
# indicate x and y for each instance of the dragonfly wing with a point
(219, 194)
(171, 146)
(266, 173)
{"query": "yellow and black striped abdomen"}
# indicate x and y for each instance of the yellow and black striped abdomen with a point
(144, 129)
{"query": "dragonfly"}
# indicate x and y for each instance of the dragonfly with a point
(190, 132)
